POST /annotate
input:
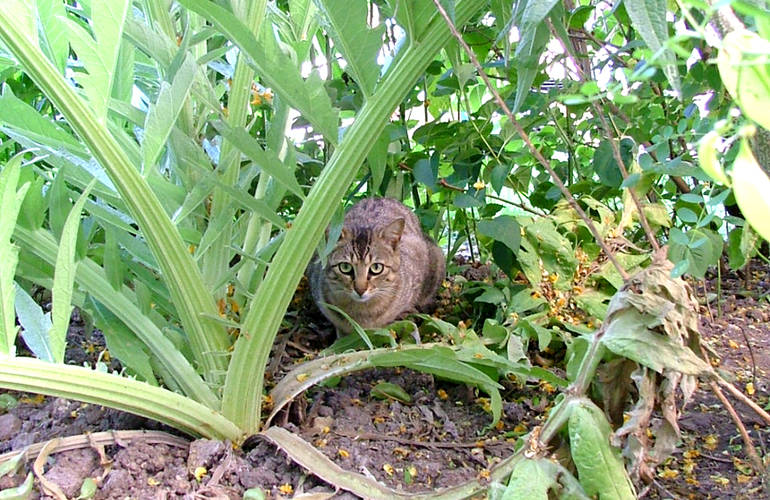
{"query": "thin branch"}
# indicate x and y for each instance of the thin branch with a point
(525, 137)
(613, 142)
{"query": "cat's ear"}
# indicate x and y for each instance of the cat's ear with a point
(392, 232)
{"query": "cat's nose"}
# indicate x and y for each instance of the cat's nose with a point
(360, 288)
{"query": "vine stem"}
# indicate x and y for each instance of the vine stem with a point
(525, 137)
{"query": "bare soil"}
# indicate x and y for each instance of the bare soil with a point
(438, 439)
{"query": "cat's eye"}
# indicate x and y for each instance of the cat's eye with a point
(376, 268)
(345, 267)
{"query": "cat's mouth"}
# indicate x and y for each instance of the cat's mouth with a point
(361, 298)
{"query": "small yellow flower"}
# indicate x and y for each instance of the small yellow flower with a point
(442, 394)
(152, 481)
(484, 474)
(199, 473)
(343, 453)
(286, 489)
(388, 469)
(750, 388)
(733, 344)
(479, 185)
(722, 481)
(667, 473)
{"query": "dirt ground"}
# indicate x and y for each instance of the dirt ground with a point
(431, 442)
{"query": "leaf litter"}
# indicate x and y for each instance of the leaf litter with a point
(436, 439)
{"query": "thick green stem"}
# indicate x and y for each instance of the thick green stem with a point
(84, 384)
(217, 260)
(241, 401)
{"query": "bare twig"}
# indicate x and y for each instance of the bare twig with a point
(613, 142)
(756, 461)
(525, 137)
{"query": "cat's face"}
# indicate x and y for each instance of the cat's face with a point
(365, 262)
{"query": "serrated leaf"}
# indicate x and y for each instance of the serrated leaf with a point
(165, 110)
(64, 278)
(751, 187)
(99, 52)
(53, 33)
(504, 229)
(745, 70)
(266, 159)
(308, 96)
(359, 45)
(35, 325)
(600, 466)
(22, 117)
(649, 18)
(122, 342)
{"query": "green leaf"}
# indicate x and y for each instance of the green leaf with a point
(266, 159)
(87, 489)
(64, 279)
(529, 480)
(426, 171)
(707, 157)
(21, 492)
(10, 203)
(24, 119)
(276, 69)
(504, 229)
(35, 325)
(443, 362)
(745, 70)
(751, 187)
(346, 23)
(164, 112)
(24, 17)
(53, 32)
(534, 37)
(600, 466)
(628, 335)
(649, 18)
(99, 53)
(386, 390)
(122, 342)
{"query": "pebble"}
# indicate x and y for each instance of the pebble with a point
(10, 424)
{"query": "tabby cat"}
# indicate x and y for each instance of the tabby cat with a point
(382, 268)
